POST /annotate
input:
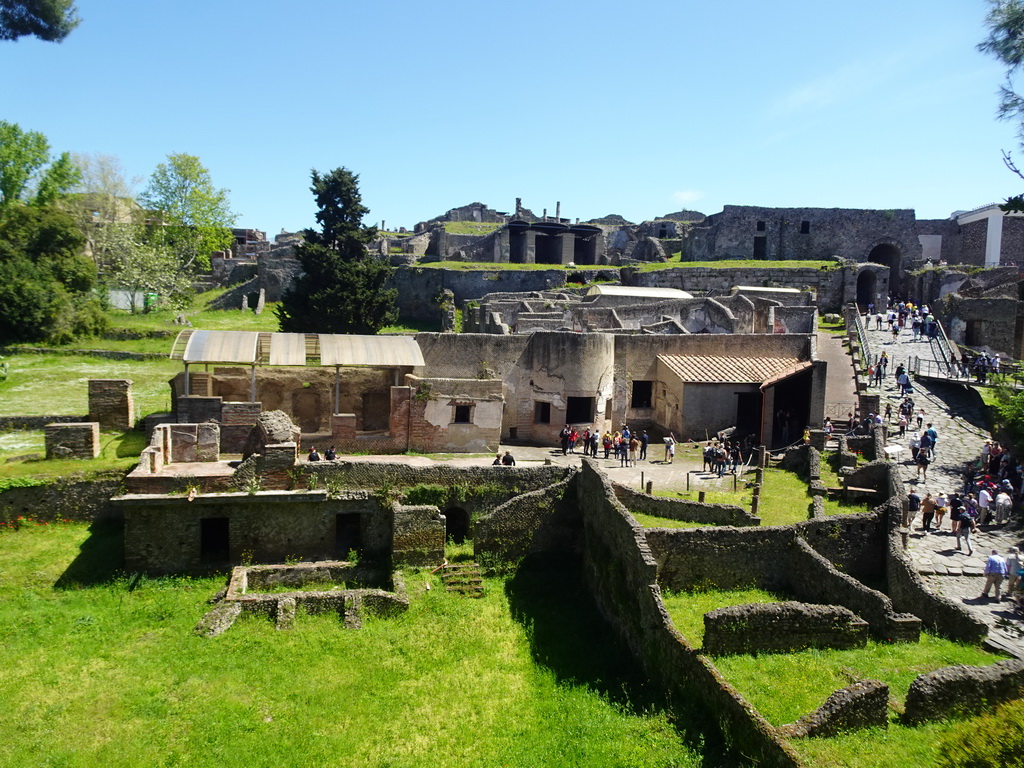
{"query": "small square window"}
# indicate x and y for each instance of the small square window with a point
(542, 413)
(805, 227)
(760, 226)
(463, 414)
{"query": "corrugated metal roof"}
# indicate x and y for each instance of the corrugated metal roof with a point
(384, 351)
(221, 347)
(711, 369)
(296, 349)
(638, 292)
(288, 349)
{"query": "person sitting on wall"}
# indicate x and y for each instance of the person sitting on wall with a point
(331, 454)
(508, 459)
(313, 455)
(497, 460)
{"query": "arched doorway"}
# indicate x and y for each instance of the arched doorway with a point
(889, 255)
(456, 526)
(866, 287)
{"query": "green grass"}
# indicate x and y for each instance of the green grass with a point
(785, 498)
(675, 262)
(44, 385)
(740, 497)
(784, 686)
(687, 609)
(107, 672)
(836, 329)
(118, 451)
(650, 521)
(471, 227)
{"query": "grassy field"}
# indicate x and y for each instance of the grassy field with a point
(488, 266)
(471, 227)
(785, 686)
(103, 670)
(650, 521)
(118, 451)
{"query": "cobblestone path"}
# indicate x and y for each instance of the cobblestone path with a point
(955, 411)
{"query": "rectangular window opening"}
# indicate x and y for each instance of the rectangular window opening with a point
(579, 410)
(463, 414)
(214, 541)
(760, 226)
(805, 227)
(642, 393)
(542, 413)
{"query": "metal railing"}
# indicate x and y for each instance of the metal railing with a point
(940, 344)
(862, 336)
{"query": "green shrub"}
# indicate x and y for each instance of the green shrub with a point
(425, 493)
(996, 738)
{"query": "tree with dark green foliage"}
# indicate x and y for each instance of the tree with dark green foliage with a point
(46, 280)
(344, 288)
(26, 173)
(1005, 42)
(50, 20)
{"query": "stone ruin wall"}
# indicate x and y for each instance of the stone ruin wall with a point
(781, 628)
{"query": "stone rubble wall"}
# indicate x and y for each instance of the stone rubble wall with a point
(781, 628)
(417, 535)
(544, 520)
(963, 690)
(864, 704)
(622, 575)
(684, 509)
(65, 498)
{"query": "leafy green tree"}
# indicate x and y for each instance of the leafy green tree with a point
(140, 267)
(1005, 42)
(26, 173)
(50, 20)
(46, 281)
(196, 215)
(344, 288)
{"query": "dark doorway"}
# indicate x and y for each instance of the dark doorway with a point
(579, 410)
(792, 409)
(548, 249)
(889, 255)
(760, 247)
(748, 413)
(866, 288)
(376, 411)
(584, 250)
(348, 535)
(214, 541)
(456, 526)
(517, 246)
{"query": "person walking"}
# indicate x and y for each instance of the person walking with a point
(995, 572)
(927, 512)
(966, 527)
(1013, 568)
(645, 439)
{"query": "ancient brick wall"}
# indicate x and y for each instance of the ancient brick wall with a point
(418, 535)
(781, 628)
(73, 441)
(163, 534)
(111, 403)
(973, 237)
(63, 499)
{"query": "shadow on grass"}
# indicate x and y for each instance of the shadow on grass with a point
(131, 444)
(100, 558)
(567, 635)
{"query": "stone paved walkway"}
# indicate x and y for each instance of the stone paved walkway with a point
(955, 412)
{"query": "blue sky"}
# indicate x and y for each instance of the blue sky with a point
(637, 108)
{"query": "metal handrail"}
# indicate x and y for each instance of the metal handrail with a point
(862, 336)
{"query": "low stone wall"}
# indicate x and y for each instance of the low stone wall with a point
(861, 705)
(106, 354)
(781, 628)
(8, 423)
(815, 579)
(545, 520)
(684, 509)
(963, 690)
(622, 576)
(67, 498)
(762, 557)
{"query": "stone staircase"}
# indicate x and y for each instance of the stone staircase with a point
(464, 578)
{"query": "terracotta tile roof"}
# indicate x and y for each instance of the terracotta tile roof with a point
(712, 369)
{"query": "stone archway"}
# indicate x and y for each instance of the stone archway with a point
(888, 254)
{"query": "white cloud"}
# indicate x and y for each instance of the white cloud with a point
(686, 196)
